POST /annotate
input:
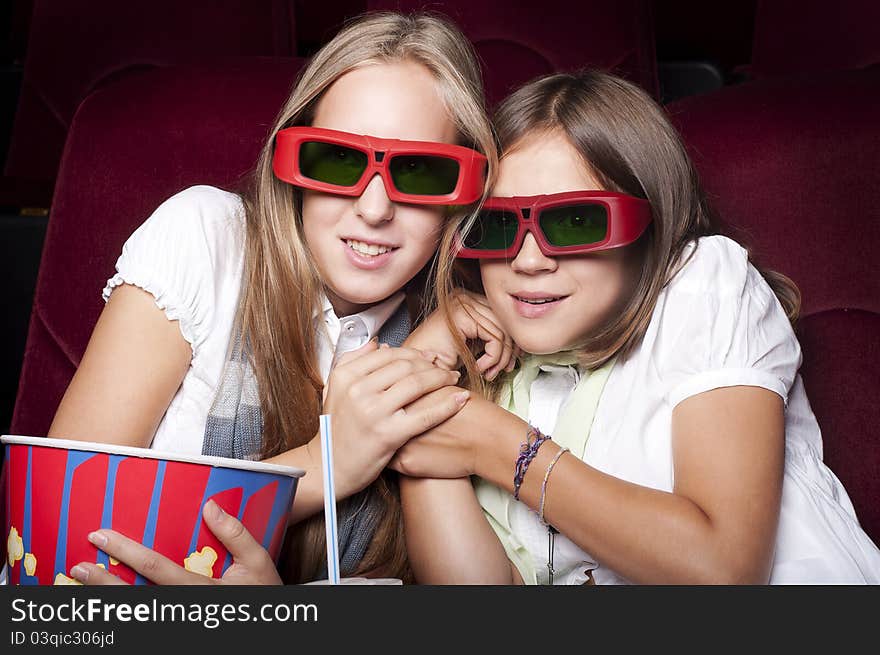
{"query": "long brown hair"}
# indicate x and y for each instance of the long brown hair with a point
(282, 287)
(628, 144)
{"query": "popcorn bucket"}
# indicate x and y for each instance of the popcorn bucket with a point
(57, 491)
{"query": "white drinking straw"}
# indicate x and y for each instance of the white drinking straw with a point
(329, 501)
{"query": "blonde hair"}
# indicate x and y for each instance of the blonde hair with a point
(282, 288)
(628, 144)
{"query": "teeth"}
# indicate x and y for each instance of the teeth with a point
(537, 301)
(367, 248)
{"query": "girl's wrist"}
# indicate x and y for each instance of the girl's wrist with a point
(497, 446)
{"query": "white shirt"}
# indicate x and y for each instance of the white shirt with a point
(716, 324)
(189, 254)
(547, 397)
(349, 333)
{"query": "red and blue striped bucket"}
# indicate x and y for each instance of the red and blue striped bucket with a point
(57, 491)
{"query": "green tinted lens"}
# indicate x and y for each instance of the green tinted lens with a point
(575, 225)
(424, 175)
(493, 230)
(330, 163)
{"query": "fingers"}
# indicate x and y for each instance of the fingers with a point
(92, 574)
(497, 357)
(359, 367)
(443, 360)
(477, 321)
(416, 385)
(415, 420)
(238, 541)
(148, 563)
(395, 371)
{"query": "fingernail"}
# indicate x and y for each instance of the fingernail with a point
(216, 511)
(461, 398)
(79, 573)
(98, 538)
(384, 345)
(427, 354)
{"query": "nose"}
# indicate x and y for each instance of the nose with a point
(373, 205)
(530, 260)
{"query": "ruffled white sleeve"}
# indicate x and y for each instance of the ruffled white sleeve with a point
(180, 255)
(721, 325)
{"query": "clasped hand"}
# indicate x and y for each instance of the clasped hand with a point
(369, 396)
(474, 321)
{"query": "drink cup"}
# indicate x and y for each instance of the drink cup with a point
(359, 581)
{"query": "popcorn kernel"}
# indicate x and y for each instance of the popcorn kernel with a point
(14, 546)
(201, 562)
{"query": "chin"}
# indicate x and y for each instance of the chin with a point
(366, 296)
(547, 341)
(536, 345)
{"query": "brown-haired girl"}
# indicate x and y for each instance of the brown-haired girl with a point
(661, 361)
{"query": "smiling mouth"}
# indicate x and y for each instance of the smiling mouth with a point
(368, 249)
(539, 301)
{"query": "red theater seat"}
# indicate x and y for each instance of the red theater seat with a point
(798, 37)
(520, 41)
(792, 166)
(131, 145)
(74, 47)
(840, 372)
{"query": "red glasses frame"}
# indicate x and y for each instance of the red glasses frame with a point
(380, 153)
(628, 217)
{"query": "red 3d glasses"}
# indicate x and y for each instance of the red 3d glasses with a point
(419, 172)
(571, 223)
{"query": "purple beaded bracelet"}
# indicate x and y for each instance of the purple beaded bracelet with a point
(527, 452)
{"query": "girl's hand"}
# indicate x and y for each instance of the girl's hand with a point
(369, 396)
(454, 448)
(251, 564)
(474, 320)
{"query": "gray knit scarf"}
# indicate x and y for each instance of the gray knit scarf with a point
(235, 429)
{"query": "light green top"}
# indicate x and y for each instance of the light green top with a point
(572, 431)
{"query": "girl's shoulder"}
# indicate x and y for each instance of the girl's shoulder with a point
(188, 254)
(715, 265)
(719, 324)
(199, 227)
(198, 212)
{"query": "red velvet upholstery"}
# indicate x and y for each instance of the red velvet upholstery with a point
(520, 41)
(840, 372)
(74, 47)
(131, 145)
(793, 167)
(792, 36)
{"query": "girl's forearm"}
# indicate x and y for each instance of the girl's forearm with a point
(448, 539)
(309, 497)
(646, 535)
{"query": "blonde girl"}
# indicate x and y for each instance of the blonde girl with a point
(228, 312)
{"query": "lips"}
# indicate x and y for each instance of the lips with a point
(539, 301)
(367, 248)
(537, 297)
(535, 304)
(367, 255)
